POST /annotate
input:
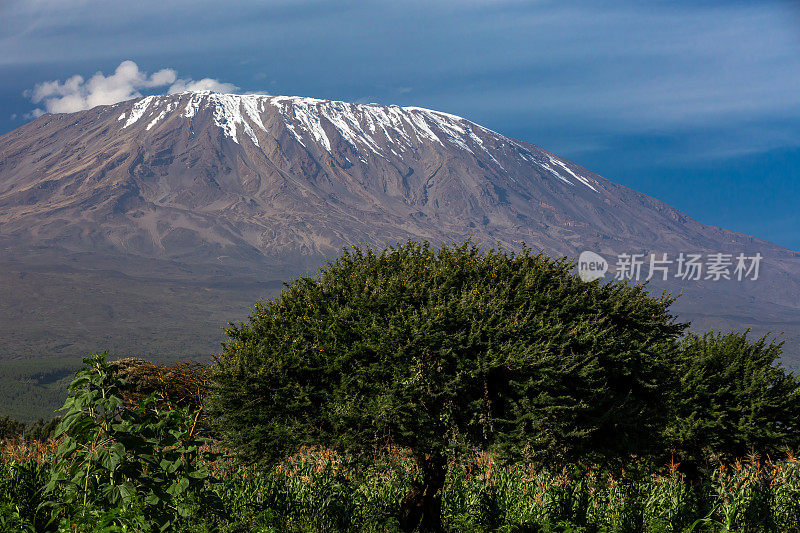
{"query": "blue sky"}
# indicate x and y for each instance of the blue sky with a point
(694, 102)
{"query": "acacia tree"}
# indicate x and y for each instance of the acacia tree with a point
(445, 350)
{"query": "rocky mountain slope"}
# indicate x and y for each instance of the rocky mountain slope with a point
(131, 213)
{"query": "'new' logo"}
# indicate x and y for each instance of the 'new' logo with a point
(591, 266)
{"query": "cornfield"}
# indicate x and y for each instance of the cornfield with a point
(318, 490)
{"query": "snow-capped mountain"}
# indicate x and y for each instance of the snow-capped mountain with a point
(239, 187)
(270, 175)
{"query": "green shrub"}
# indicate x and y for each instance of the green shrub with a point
(11, 428)
(120, 458)
(733, 398)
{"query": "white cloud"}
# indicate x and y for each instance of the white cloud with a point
(77, 93)
(206, 84)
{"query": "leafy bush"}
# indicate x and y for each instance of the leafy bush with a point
(121, 457)
(734, 397)
(11, 428)
(444, 351)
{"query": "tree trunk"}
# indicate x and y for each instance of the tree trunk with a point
(422, 506)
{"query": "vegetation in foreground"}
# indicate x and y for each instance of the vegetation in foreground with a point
(319, 491)
(418, 390)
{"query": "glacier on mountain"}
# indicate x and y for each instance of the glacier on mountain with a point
(360, 125)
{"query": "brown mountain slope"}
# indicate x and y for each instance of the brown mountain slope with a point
(186, 206)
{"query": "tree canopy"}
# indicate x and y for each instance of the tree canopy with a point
(436, 350)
